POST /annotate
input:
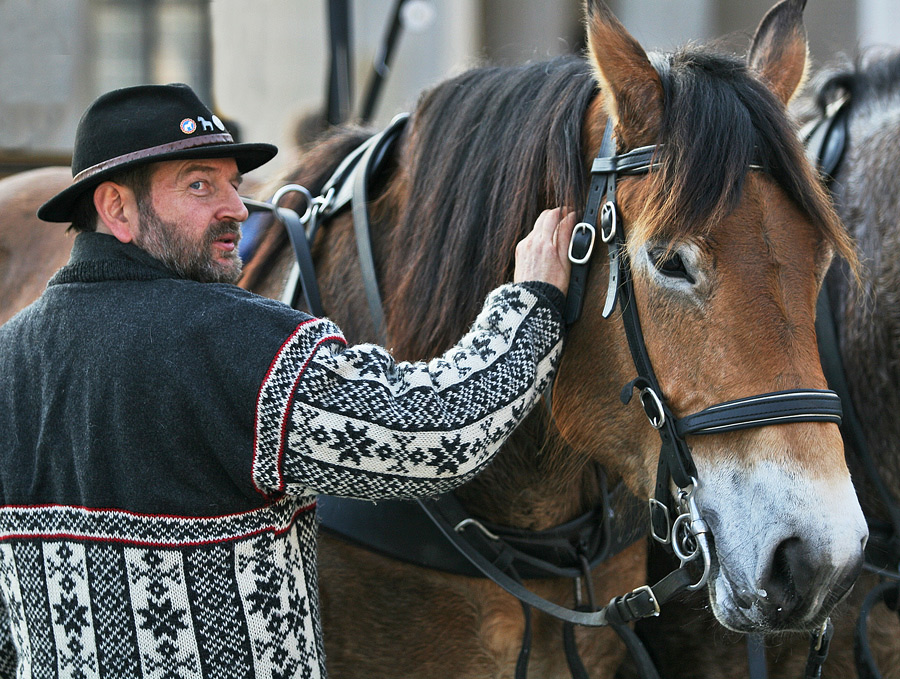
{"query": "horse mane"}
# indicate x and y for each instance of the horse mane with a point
(492, 147)
(488, 150)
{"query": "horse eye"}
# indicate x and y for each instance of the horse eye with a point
(671, 265)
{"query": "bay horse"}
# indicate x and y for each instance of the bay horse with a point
(30, 250)
(857, 107)
(729, 238)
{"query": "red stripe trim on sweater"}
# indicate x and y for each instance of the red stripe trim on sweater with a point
(259, 397)
(290, 401)
(148, 543)
(282, 434)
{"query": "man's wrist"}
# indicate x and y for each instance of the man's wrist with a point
(554, 296)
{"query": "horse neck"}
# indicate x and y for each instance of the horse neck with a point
(536, 481)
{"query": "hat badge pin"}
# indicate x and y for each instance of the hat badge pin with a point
(188, 126)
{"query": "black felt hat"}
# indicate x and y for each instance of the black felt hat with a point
(146, 124)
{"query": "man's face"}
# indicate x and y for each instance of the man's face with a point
(191, 218)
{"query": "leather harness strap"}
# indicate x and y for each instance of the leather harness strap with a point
(347, 184)
(360, 207)
(303, 255)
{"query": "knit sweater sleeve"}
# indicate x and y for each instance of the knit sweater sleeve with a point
(351, 421)
(8, 657)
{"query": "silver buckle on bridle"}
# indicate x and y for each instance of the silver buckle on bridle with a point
(584, 226)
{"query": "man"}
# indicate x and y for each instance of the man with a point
(163, 433)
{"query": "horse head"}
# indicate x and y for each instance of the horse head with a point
(729, 236)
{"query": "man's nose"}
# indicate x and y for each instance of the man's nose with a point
(233, 208)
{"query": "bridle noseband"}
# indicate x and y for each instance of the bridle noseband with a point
(688, 533)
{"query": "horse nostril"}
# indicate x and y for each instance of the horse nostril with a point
(788, 580)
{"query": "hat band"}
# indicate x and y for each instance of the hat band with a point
(153, 151)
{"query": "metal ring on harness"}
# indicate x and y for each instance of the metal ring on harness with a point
(689, 534)
(295, 188)
(653, 407)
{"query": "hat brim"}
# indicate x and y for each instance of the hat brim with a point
(247, 156)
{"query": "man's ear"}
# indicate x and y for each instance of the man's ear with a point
(117, 210)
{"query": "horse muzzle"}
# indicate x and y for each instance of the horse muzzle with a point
(796, 557)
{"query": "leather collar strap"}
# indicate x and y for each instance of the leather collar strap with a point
(399, 529)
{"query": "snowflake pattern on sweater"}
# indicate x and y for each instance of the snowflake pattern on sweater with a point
(96, 592)
(385, 429)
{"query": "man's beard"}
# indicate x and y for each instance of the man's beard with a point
(189, 259)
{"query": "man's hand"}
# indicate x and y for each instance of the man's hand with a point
(543, 255)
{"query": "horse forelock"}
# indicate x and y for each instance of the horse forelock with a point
(719, 123)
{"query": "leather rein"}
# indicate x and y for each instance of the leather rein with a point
(489, 549)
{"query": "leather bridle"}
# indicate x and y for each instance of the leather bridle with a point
(687, 535)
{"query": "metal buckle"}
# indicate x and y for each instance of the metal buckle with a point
(585, 227)
(657, 419)
(653, 599)
(608, 210)
(657, 506)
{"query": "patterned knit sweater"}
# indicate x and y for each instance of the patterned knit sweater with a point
(162, 443)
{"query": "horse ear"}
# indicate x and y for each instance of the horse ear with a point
(633, 92)
(779, 49)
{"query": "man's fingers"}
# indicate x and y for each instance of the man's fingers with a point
(547, 221)
(563, 233)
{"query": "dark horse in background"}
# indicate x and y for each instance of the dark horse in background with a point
(861, 102)
(729, 238)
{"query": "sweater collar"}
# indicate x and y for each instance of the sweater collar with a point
(100, 257)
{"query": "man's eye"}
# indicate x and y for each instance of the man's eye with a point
(197, 185)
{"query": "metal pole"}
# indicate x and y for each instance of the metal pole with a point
(381, 63)
(340, 83)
